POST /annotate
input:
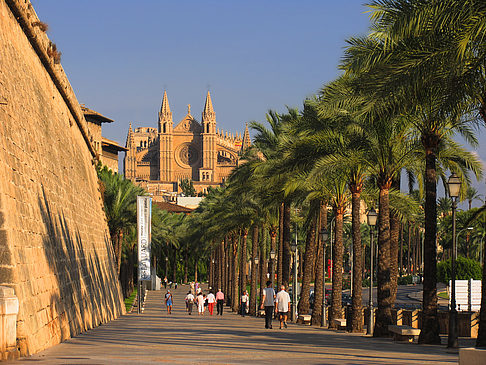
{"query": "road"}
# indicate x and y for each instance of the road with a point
(156, 337)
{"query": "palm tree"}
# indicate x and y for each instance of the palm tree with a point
(471, 195)
(120, 199)
(426, 90)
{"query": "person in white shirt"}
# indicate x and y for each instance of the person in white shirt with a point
(211, 301)
(283, 300)
(244, 302)
(268, 303)
(200, 299)
(189, 302)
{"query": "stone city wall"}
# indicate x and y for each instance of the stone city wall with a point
(55, 248)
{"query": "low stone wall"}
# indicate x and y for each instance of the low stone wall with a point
(55, 248)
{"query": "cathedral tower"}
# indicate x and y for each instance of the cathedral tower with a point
(130, 157)
(208, 121)
(165, 141)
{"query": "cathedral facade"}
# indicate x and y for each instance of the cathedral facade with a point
(159, 158)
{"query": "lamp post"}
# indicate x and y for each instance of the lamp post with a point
(213, 273)
(293, 247)
(324, 237)
(166, 265)
(256, 261)
(371, 218)
(331, 258)
(272, 265)
(454, 186)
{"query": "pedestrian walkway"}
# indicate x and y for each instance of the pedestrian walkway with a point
(156, 337)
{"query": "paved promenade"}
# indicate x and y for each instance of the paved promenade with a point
(156, 337)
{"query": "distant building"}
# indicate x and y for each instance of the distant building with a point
(107, 149)
(159, 158)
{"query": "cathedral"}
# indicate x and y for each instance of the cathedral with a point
(159, 158)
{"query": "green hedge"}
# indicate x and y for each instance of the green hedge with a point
(465, 269)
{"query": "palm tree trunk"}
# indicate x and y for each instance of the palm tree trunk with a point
(174, 267)
(400, 261)
(211, 268)
(263, 269)
(309, 258)
(357, 313)
(119, 247)
(320, 269)
(195, 269)
(234, 273)
(383, 314)
(254, 273)
(286, 257)
(409, 248)
(337, 268)
(273, 245)
(280, 245)
(243, 256)
(430, 323)
(186, 263)
(394, 235)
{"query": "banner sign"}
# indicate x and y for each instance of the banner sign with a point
(144, 223)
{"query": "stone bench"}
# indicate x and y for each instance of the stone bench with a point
(404, 333)
(340, 323)
(305, 318)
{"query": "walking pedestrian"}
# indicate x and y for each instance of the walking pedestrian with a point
(200, 300)
(189, 302)
(283, 300)
(268, 303)
(168, 301)
(211, 301)
(244, 302)
(219, 302)
(193, 291)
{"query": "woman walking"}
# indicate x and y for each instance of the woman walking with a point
(168, 301)
(211, 301)
(200, 300)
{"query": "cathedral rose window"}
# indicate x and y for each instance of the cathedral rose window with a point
(188, 154)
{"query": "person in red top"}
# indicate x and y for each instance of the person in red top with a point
(219, 302)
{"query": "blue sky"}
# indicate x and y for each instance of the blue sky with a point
(253, 56)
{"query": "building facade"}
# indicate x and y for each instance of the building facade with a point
(159, 158)
(106, 149)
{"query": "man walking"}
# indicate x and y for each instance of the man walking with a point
(189, 302)
(268, 303)
(219, 302)
(283, 300)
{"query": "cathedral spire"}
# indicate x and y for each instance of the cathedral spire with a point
(129, 141)
(165, 115)
(246, 138)
(208, 114)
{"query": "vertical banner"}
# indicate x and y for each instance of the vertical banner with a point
(144, 223)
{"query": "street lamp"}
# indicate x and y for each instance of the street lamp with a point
(272, 266)
(293, 247)
(371, 218)
(166, 265)
(454, 186)
(324, 233)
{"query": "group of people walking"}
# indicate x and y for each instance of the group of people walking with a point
(203, 301)
(271, 303)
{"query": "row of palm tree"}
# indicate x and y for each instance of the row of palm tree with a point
(407, 89)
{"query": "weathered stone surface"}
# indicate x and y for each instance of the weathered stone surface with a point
(55, 248)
